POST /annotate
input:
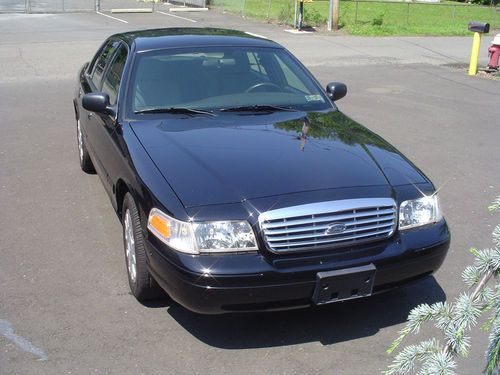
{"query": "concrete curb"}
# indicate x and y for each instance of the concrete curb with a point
(132, 10)
(188, 9)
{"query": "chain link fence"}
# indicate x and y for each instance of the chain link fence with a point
(421, 14)
(16, 6)
(58, 6)
(46, 6)
(363, 12)
(282, 11)
(357, 13)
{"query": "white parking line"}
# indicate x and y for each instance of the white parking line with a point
(114, 18)
(7, 331)
(182, 18)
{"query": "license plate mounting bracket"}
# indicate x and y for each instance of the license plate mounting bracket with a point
(344, 284)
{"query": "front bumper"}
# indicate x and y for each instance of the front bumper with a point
(213, 284)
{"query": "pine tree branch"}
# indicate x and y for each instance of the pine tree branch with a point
(484, 280)
(455, 320)
(495, 206)
(474, 296)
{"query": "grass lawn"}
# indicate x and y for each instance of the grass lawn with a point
(374, 18)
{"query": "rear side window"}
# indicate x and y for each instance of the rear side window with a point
(101, 62)
(255, 64)
(111, 83)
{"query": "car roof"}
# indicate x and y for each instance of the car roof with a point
(152, 39)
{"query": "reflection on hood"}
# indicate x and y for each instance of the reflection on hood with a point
(230, 158)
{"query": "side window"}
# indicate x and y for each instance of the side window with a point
(111, 83)
(291, 79)
(255, 64)
(101, 62)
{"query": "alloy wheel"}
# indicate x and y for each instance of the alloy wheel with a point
(80, 140)
(130, 246)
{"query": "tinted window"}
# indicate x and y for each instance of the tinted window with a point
(255, 63)
(111, 82)
(102, 61)
(221, 77)
(292, 80)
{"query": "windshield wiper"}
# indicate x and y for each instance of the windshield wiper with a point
(258, 108)
(180, 110)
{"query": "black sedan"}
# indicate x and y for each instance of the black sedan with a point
(239, 184)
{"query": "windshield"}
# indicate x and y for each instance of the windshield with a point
(215, 78)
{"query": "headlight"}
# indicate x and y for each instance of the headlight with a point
(418, 212)
(206, 237)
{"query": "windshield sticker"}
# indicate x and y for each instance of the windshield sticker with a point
(314, 98)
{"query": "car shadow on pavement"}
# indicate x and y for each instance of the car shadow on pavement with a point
(327, 324)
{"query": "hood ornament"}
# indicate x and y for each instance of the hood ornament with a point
(303, 134)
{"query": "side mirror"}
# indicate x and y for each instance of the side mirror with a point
(336, 90)
(97, 102)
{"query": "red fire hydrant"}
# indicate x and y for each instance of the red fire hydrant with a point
(494, 52)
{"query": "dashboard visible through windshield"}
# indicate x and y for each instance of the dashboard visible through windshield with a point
(215, 78)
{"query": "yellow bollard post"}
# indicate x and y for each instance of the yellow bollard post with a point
(474, 55)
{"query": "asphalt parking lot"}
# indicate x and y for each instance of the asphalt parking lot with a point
(65, 306)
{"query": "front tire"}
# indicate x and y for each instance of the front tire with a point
(83, 154)
(142, 285)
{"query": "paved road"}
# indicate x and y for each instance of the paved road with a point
(64, 296)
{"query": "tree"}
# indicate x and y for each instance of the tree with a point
(455, 320)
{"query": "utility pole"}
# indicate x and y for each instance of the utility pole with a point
(301, 14)
(333, 16)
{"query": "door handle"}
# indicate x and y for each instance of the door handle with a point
(89, 115)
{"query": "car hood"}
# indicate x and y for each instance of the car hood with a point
(233, 157)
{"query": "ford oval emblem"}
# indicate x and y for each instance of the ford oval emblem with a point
(335, 228)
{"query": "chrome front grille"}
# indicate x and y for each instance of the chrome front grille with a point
(328, 224)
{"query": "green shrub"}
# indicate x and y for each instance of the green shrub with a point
(485, 2)
(312, 17)
(379, 20)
